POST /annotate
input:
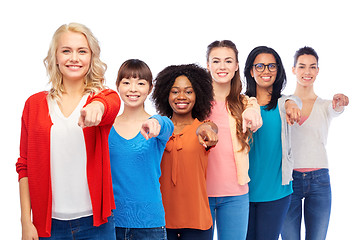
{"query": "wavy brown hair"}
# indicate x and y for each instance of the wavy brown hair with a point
(235, 101)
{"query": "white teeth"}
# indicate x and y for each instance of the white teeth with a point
(133, 97)
(222, 74)
(74, 67)
(266, 77)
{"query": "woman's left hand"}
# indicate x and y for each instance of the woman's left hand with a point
(91, 115)
(339, 102)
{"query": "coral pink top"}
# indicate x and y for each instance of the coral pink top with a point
(222, 177)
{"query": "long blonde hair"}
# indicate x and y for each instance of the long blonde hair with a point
(94, 78)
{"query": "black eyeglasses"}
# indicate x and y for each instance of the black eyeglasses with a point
(260, 67)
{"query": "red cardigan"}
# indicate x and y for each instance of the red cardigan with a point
(34, 160)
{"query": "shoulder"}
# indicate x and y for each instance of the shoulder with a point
(322, 103)
(162, 119)
(38, 96)
(36, 99)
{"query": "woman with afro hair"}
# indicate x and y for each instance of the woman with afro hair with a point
(184, 93)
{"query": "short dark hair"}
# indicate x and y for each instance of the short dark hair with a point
(134, 68)
(280, 81)
(305, 51)
(201, 83)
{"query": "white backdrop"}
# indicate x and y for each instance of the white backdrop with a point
(177, 32)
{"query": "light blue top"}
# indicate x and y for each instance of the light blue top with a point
(135, 169)
(265, 159)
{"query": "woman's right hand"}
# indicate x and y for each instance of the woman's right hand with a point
(29, 232)
(293, 112)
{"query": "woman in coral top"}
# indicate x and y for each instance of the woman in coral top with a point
(64, 166)
(184, 93)
(235, 115)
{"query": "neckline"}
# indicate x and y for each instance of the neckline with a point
(130, 139)
(186, 128)
(75, 111)
(308, 117)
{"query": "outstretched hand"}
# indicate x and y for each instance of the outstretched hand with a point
(251, 119)
(150, 128)
(207, 135)
(293, 112)
(91, 115)
(339, 102)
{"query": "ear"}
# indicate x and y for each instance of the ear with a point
(208, 66)
(150, 89)
(293, 70)
(251, 72)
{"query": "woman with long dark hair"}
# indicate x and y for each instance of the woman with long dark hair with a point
(270, 150)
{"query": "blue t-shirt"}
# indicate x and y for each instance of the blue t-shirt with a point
(135, 170)
(265, 158)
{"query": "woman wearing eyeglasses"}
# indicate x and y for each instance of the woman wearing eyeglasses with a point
(270, 151)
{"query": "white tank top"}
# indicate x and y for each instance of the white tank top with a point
(70, 190)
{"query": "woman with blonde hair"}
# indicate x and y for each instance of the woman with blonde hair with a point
(64, 166)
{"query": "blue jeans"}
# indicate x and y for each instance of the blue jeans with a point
(230, 214)
(81, 228)
(189, 234)
(314, 187)
(266, 219)
(158, 233)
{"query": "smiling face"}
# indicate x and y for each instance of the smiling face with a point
(222, 64)
(134, 91)
(306, 70)
(266, 78)
(73, 56)
(182, 96)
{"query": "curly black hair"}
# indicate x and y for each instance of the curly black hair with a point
(200, 80)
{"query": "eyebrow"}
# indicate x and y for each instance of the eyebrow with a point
(66, 47)
(225, 58)
(310, 64)
(179, 87)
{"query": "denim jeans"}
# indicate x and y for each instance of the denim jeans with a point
(266, 219)
(158, 233)
(81, 228)
(230, 215)
(314, 191)
(189, 234)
